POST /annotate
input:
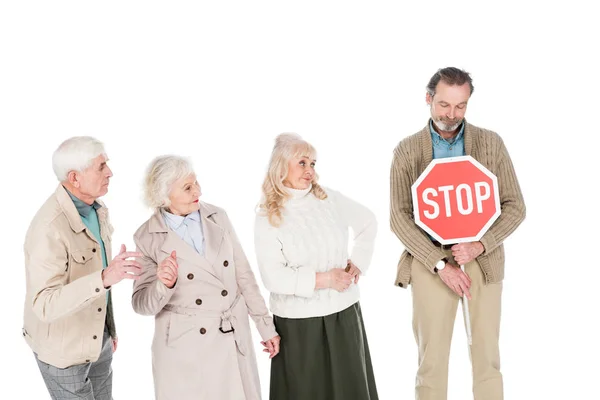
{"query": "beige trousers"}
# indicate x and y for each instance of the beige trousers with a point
(434, 313)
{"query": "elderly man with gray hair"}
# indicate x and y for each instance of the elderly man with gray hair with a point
(68, 319)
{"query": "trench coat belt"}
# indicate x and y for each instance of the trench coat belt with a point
(227, 319)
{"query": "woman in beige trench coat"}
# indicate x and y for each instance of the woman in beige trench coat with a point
(198, 284)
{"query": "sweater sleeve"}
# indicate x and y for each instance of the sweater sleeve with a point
(512, 204)
(277, 274)
(363, 223)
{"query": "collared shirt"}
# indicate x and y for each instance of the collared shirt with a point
(443, 148)
(90, 219)
(188, 228)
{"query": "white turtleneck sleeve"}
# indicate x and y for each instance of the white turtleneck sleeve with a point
(312, 237)
(364, 228)
(277, 274)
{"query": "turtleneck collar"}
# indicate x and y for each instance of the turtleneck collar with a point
(298, 193)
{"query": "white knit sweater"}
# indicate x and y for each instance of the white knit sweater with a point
(313, 237)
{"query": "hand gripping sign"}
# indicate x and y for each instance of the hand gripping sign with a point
(456, 200)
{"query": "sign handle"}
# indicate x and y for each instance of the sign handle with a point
(467, 315)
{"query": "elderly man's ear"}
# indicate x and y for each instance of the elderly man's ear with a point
(72, 178)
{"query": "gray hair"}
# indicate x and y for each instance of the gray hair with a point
(162, 172)
(451, 76)
(75, 154)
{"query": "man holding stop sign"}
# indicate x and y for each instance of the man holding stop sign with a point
(454, 199)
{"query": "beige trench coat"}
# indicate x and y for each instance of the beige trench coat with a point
(202, 346)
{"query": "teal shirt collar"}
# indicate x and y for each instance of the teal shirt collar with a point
(83, 209)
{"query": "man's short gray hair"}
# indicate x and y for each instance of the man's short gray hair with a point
(162, 172)
(75, 154)
(451, 76)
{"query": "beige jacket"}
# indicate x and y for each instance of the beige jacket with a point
(66, 304)
(203, 347)
(411, 157)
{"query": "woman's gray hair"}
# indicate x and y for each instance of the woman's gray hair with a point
(162, 172)
(75, 154)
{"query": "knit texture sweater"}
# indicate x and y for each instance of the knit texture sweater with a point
(313, 237)
(411, 157)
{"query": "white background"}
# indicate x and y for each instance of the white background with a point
(217, 81)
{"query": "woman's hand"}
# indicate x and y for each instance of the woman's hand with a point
(167, 270)
(353, 270)
(272, 346)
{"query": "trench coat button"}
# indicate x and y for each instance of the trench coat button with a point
(83, 258)
(95, 337)
(225, 263)
(400, 284)
(93, 250)
(202, 331)
(97, 290)
(87, 360)
(224, 293)
(100, 310)
(190, 276)
(198, 301)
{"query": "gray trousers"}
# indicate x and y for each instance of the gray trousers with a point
(89, 381)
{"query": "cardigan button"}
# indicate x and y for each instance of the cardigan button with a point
(93, 250)
(198, 301)
(224, 293)
(190, 276)
(202, 331)
(95, 337)
(225, 263)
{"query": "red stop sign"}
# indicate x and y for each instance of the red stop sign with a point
(456, 200)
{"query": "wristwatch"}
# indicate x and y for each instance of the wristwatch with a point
(440, 265)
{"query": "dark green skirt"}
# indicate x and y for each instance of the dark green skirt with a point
(323, 358)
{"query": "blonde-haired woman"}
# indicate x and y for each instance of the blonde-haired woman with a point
(198, 284)
(301, 238)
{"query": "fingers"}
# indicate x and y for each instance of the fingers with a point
(465, 278)
(167, 277)
(276, 341)
(355, 273)
(130, 263)
(270, 348)
(174, 255)
(456, 289)
(123, 249)
(128, 254)
(463, 290)
(171, 262)
(345, 277)
(165, 272)
(169, 269)
(458, 247)
(131, 270)
(466, 292)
